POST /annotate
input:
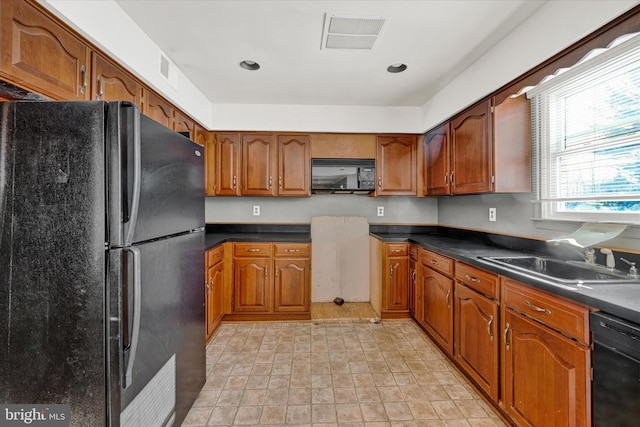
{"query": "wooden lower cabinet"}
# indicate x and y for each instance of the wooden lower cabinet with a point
(437, 306)
(476, 338)
(214, 288)
(271, 280)
(395, 280)
(546, 363)
(546, 376)
(291, 293)
(252, 285)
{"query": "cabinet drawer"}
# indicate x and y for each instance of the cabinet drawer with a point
(482, 281)
(252, 249)
(215, 255)
(564, 316)
(397, 249)
(437, 262)
(302, 250)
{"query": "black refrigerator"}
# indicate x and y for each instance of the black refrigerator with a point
(101, 263)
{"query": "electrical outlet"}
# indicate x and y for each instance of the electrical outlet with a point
(256, 210)
(380, 210)
(492, 214)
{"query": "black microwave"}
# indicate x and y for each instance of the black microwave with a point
(343, 176)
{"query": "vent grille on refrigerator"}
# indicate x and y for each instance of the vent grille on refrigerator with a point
(352, 32)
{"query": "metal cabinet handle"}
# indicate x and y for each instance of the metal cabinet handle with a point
(396, 250)
(447, 299)
(433, 261)
(506, 331)
(270, 181)
(100, 87)
(83, 71)
(446, 178)
(219, 254)
(234, 181)
(536, 308)
(280, 181)
(379, 182)
(451, 178)
(277, 272)
(489, 331)
(252, 250)
(266, 271)
(473, 279)
(292, 250)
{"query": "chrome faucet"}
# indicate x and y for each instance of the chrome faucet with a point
(633, 271)
(589, 254)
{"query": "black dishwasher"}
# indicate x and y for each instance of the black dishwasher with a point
(616, 371)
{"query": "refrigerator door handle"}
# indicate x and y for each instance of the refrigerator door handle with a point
(137, 174)
(137, 299)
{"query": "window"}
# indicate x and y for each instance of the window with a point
(586, 138)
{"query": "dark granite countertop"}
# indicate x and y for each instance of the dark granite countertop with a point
(619, 300)
(217, 234)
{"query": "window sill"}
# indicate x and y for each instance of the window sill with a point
(569, 226)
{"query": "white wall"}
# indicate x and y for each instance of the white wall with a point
(554, 27)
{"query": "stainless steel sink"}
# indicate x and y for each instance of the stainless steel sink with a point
(564, 272)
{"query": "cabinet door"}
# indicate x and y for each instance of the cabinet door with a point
(411, 291)
(227, 169)
(476, 338)
(184, 123)
(201, 135)
(396, 166)
(215, 283)
(546, 377)
(258, 165)
(396, 283)
(110, 83)
(291, 284)
(251, 282)
(39, 54)
(438, 306)
(158, 108)
(471, 154)
(209, 163)
(437, 161)
(294, 160)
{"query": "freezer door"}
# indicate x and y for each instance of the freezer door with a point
(156, 178)
(157, 332)
(52, 257)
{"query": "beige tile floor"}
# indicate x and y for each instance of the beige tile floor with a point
(333, 372)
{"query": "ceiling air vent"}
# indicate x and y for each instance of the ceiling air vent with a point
(168, 70)
(351, 32)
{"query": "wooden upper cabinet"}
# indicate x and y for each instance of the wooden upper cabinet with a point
(258, 165)
(158, 108)
(486, 148)
(109, 82)
(294, 162)
(227, 164)
(184, 123)
(396, 166)
(471, 157)
(41, 55)
(202, 136)
(436, 153)
(512, 145)
(209, 163)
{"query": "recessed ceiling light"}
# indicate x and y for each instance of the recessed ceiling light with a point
(250, 65)
(396, 68)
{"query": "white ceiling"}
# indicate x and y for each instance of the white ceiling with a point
(436, 39)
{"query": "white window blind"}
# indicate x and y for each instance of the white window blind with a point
(586, 138)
